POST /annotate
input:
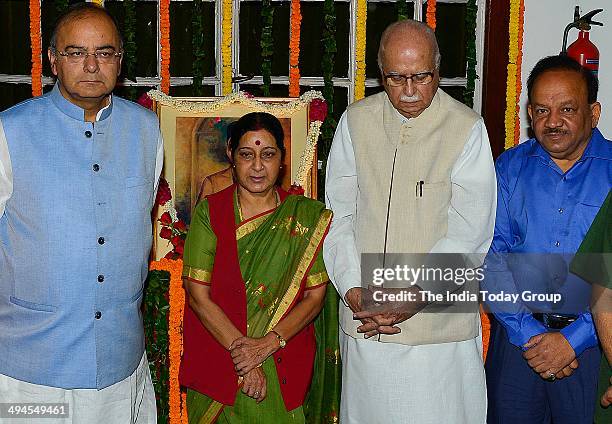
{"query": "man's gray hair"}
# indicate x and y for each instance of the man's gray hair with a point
(409, 25)
(79, 11)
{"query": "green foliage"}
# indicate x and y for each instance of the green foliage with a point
(155, 319)
(61, 5)
(129, 45)
(328, 41)
(470, 26)
(267, 44)
(402, 9)
(197, 42)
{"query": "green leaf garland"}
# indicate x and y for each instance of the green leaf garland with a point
(267, 44)
(470, 52)
(129, 45)
(197, 42)
(155, 320)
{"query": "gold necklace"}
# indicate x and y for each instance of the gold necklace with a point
(241, 215)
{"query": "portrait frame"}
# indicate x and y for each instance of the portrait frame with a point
(194, 133)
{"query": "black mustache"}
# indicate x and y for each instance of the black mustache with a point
(549, 132)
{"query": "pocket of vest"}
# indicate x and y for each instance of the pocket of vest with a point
(138, 192)
(33, 306)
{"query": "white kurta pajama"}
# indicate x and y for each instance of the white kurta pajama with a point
(406, 381)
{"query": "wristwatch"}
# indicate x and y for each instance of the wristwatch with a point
(281, 342)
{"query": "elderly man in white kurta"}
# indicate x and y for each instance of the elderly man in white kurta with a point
(425, 368)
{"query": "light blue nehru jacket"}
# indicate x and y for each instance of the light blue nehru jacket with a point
(74, 241)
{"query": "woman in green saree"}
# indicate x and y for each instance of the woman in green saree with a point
(255, 281)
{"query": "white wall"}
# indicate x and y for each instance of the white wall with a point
(545, 21)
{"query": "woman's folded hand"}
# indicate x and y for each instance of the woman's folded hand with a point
(249, 353)
(254, 384)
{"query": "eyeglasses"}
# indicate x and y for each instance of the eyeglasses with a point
(104, 56)
(398, 80)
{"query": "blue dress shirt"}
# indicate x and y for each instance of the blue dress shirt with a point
(541, 209)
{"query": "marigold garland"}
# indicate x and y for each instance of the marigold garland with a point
(98, 2)
(226, 47)
(176, 299)
(431, 14)
(164, 41)
(360, 45)
(294, 49)
(36, 43)
(513, 84)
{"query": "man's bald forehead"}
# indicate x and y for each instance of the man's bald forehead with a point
(83, 11)
(411, 30)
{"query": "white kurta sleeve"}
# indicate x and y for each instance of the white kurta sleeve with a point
(159, 161)
(471, 216)
(6, 171)
(339, 249)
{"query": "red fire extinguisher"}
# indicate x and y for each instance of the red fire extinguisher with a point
(583, 50)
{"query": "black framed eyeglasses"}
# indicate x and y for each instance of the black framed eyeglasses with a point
(398, 80)
(77, 56)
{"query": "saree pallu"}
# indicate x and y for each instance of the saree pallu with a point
(258, 270)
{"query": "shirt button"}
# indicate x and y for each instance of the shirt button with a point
(100, 278)
(96, 167)
(98, 315)
(284, 381)
(560, 210)
(88, 134)
(101, 240)
(557, 244)
(278, 360)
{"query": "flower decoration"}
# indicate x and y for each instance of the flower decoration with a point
(318, 110)
(145, 101)
(513, 84)
(164, 40)
(172, 228)
(163, 192)
(36, 43)
(360, 46)
(294, 49)
(176, 300)
(226, 46)
(431, 14)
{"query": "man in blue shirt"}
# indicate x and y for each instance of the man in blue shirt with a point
(542, 367)
(78, 174)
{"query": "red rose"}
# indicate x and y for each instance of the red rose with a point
(165, 233)
(145, 101)
(163, 192)
(165, 219)
(296, 189)
(177, 241)
(318, 110)
(179, 249)
(180, 226)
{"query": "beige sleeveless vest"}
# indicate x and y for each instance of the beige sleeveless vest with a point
(425, 149)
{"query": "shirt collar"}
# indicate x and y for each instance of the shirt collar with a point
(598, 147)
(72, 110)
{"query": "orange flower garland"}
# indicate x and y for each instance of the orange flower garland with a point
(431, 14)
(176, 298)
(36, 43)
(164, 40)
(519, 61)
(485, 320)
(294, 49)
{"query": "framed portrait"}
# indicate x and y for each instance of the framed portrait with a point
(195, 147)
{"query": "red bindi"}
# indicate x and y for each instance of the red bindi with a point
(257, 142)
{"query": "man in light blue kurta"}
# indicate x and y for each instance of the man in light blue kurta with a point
(78, 174)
